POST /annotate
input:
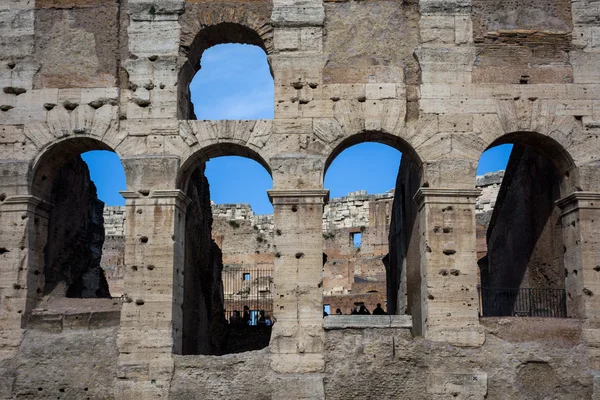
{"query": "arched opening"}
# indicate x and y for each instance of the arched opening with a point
(227, 76)
(223, 298)
(519, 230)
(370, 227)
(76, 181)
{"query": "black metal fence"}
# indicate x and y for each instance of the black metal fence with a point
(523, 302)
(248, 295)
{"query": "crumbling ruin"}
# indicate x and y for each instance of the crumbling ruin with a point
(439, 80)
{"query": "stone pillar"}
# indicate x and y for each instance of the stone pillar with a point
(23, 236)
(154, 223)
(580, 219)
(580, 211)
(449, 298)
(297, 338)
(154, 260)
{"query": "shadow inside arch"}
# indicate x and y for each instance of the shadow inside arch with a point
(545, 145)
(50, 160)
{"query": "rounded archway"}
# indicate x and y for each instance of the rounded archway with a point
(211, 37)
(371, 234)
(223, 301)
(521, 253)
(69, 260)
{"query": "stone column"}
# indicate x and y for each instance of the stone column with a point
(24, 233)
(449, 298)
(154, 223)
(297, 338)
(580, 221)
(154, 260)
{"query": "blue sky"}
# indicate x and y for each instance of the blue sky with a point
(234, 82)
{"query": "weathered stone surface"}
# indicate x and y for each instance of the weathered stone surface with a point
(439, 80)
(365, 321)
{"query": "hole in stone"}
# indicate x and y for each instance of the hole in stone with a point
(299, 255)
(69, 105)
(144, 239)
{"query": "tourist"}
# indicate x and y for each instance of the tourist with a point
(378, 310)
(338, 312)
(246, 318)
(235, 318)
(261, 321)
(363, 310)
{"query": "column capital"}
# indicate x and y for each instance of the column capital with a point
(180, 199)
(27, 203)
(279, 196)
(446, 196)
(579, 200)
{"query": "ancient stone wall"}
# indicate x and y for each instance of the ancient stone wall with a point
(113, 264)
(490, 187)
(113, 250)
(522, 42)
(439, 80)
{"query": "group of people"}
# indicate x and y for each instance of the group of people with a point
(246, 318)
(362, 310)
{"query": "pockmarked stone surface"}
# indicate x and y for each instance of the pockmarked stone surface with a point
(439, 80)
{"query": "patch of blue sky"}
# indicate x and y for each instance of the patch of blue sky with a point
(234, 82)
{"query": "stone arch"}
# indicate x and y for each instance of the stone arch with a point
(48, 162)
(402, 264)
(214, 28)
(198, 296)
(546, 145)
(216, 149)
(524, 233)
(536, 123)
(397, 142)
(73, 222)
(550, 148)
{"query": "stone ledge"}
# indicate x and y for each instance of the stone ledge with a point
(57, 323)
(367, 321)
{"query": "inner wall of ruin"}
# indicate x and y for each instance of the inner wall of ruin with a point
(439, 80)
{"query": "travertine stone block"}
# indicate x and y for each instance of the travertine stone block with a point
(293, 15)
(155, 38)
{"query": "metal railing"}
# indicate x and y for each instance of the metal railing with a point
(523, 302)
(248, 296)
